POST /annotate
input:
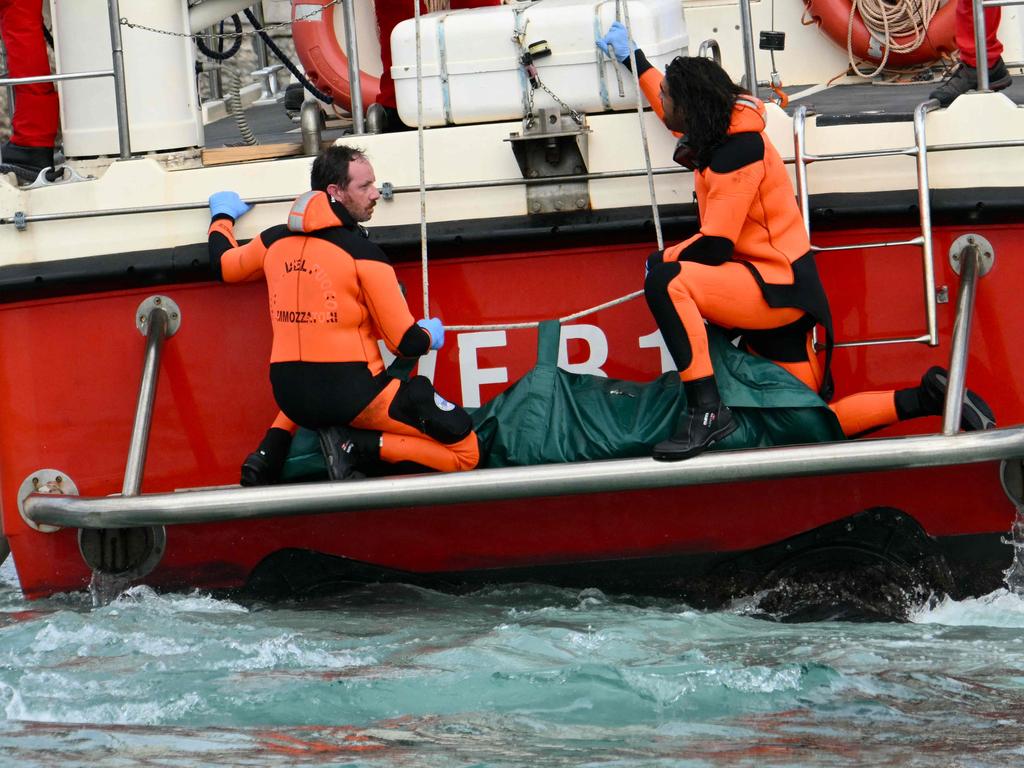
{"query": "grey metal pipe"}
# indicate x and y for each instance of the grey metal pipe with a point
(924, 206)
(3, 79)
(980, 33)
(484, 485)
(747, 30)
(120, 93)
(215, 79)
(970, 267)
(309, 123)
(352, 50)
(259, 47)
(156, 332)
(10, 81)
(855, 246)
(800, 159)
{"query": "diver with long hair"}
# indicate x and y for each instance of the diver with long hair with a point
(749, 268)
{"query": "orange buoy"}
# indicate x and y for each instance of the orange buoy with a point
(322, 56)
(833, 16)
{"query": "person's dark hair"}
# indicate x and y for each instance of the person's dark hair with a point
(331, 166)
(706, 95)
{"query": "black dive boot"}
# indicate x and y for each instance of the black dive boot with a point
(263, 466)
(346, 449)
(25, 162)
(707, 420)
(965, 78)
(929, 399)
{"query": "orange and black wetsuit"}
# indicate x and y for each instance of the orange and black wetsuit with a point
(332, 294)
(749, 268)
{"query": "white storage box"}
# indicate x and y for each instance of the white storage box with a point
(471, 61)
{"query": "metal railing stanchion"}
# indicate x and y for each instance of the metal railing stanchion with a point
(924, 205)
(748, 47)
(120, 94)
(980, 33)
(352, 50)
(157, 318)
(970, 258)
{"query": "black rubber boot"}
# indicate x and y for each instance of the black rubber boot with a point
(25, 162)
(706, 421)
(263, 466)
(965, 78)
(348, 451)
(929, 399)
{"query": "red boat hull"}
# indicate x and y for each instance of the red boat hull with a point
(69, 377)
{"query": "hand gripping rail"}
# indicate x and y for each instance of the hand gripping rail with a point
(225, 504)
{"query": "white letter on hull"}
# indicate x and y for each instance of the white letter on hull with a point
(473, 376)
(655, 340)
(597, 343)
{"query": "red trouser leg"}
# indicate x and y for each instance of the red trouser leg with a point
(401, 442)
(35, 119)
(965, 34)
(389, 14)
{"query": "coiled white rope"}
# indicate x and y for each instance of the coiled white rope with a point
(887, 21)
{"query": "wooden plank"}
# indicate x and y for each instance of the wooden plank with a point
(249, 153)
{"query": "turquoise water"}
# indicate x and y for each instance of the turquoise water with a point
(512, 676)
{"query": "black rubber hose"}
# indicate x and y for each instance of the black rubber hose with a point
(223, 55)
(327, 99)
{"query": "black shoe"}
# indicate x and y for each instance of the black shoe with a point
(965, 78)
(708, 420)
(263, 466)
(25, 162)
(975, 414)
(347, 451)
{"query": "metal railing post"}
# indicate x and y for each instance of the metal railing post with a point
(924, 205)
(214, 79)
(799, 152)
(259, 47)
(981, 50)
(970, 258)
(352, 49)
(748, 47)
(4, 73)
(157, 318)
(120, 94)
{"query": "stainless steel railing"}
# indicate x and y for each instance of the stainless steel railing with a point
(981, 33)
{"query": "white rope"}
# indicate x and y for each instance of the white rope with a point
(887, 20)
(535, 323)
(643, 128)
(423, 183)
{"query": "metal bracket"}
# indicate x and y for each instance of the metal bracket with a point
(270, 93)
(19, 221)
(158, 302)
(387, 191)
(44, 481)
(711, 46)
(988, 253)
(553, 146)
(48, 177)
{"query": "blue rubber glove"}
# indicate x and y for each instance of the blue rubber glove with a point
(434, 327)
(616, 42)
(229, 203)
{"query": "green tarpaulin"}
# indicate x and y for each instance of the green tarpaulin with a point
(551, 415)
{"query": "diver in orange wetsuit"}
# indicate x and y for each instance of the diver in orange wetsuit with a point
(749, 268)
(332, 294)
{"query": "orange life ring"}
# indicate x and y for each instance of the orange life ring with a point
(322, 57)
(833, 16)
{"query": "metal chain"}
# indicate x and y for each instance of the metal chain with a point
(244, 33)
(576, 116)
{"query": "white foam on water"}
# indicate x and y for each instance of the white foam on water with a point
(287, 652)
(9, 574)
(1001, 608)
(167, 605)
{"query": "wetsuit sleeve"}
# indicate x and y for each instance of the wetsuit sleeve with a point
(650, 82)
(231, 262)
(388, 310)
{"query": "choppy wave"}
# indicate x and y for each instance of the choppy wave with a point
(509, 676)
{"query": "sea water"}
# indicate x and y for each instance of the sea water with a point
(523, 675)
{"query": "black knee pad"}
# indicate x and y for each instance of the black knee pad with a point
(419, 406)
(665, 315)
